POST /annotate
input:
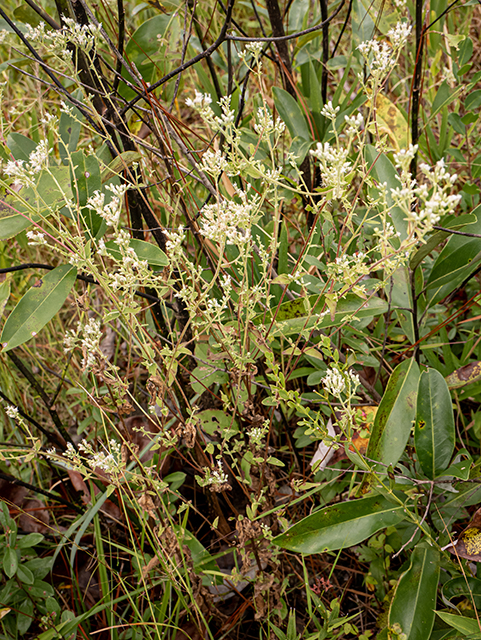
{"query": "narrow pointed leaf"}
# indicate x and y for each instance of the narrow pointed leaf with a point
(85, 181)
(38, 306)
(143, 250)
(291, 114)
(341, 525)
(4, 295)
(415, 596)
(434, 434)
(394, 418)
(461, 623)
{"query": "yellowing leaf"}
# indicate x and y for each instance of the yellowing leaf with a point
(391, 122)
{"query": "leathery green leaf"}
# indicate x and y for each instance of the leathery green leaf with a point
(143, 250)
(295, 317)
(38, 306)
(434, 433)
(457, 260)
(415, 597)
(396, 412)
(291, 114)
(18, 211)
(461, 623)
(341, 525)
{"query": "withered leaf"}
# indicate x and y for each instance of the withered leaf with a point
(468, 544)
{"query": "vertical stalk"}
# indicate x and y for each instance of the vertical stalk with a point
(325, 49)
(416, 94)
(412, 277)
(275, 19)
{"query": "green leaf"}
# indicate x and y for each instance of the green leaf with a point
(24, 616)
(362, 25)
(415, 596)
(20, 146)
(461, 623)
(464, 586)
(213, 420)
(4, 295)
(434, 433)
(291, 113)
(395, 415)
(473, 100)
(341, 525)
(120, 163)
(31, 540)
(143, 50)
(38, 306)
(443, 97)
(384, 13)
(85, 181)
(10, 562)
(401, 298)
(25, 575)
(458, 259)
(349, 305)
(69, 129)
(449, 222)
(383, 171)
(19, 211)
(143, 250)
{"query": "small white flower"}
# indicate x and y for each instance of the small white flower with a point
(214, 163)
(334, 166)
(36, 238)
(254, 47)
(11, 411)
(333, 382)
(329, 111)
(201, 101)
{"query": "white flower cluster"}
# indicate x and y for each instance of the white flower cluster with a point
(49, 119)
(255, 49)
(437, 201)
(223, 123)
(228, 221)
(3, 35)
(356, 123)
(433, 198)
(403, 158)
(108, 462)
(214, 163)
(218, 306)
(349, 268)
(201, 103)
(56, 42)
(110, 212)
(381, 56)
(334, 166)
(36, 238)
(216, 477)
(265, 125)
(22, 172)
(131, 269)
(257, 434)
(328, 111)
(90, 344)
(335, 382)
(11, 411)
(174, 243)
